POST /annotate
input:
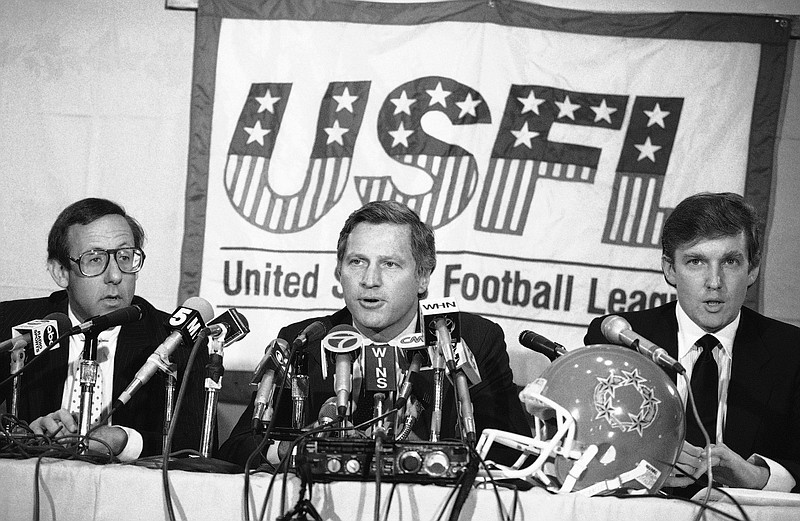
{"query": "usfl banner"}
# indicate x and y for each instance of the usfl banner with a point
(545, 147)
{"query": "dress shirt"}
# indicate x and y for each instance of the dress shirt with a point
(105, 363)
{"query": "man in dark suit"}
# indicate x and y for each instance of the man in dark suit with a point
(94, 254)
(711, 254)
(385, 257)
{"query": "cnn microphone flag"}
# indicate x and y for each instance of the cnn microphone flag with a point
(545, 147)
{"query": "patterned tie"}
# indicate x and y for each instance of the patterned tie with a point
(705, 378)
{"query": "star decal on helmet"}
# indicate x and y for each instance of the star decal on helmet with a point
(605, 394)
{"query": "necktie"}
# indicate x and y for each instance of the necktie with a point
(704, 381)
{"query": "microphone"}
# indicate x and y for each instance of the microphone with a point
(270, 370)
(542, 345)
(342, 346)
(380, 379)
(313, 332)
(439, 316)
(442, 321)
(328, 414)
(232, 326)
(39, 333)
(414, 356)
(187, 323)
(429, 312)
(618, 330)
(115, 318)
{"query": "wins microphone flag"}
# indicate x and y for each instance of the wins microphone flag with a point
(544, 146)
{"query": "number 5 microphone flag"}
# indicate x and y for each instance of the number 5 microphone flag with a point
(544, 146)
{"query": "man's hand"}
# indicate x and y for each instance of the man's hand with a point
(728, 468)
(62, 423)
(690, 466)
(56, 424)
(733, 470)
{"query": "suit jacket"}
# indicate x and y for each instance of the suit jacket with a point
(764, 392)
(494, 399)
(42, 384)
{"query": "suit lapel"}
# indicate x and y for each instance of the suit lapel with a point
(748, 379)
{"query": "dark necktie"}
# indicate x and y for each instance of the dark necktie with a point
(705, 378)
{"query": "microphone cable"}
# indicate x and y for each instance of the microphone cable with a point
(201, 339)
(263, 443)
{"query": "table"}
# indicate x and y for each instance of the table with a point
(73, 490)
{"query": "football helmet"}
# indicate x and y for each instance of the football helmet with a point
(606, 419)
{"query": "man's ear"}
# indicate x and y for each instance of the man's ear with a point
(752, 275)
(422, 286)
(668, 267)
(59, 273)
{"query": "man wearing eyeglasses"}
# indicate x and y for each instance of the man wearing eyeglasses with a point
(95, 255)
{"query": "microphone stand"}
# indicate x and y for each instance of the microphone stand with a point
(300, 391)
(170, 381)
(437, 361)
(88, 378)
(17, 363)
(214, 372)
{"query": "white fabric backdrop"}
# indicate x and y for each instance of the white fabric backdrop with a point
(94, 101)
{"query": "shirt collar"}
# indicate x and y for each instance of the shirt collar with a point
(689, 333)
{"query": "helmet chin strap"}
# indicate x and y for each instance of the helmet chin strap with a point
(578, 468)
(642, 473)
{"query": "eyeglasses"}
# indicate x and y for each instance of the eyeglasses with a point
(94, 262)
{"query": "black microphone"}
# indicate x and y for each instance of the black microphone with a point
(342, 346)
(187, 322)
(542, 345)
(267, 374)
(618, 330)
(231, 326)
(115, 318)
(39, 334)
(414, 357)
(313, 332)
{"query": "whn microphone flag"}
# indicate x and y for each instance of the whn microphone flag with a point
(544, 146)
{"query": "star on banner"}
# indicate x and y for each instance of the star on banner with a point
(647, 150)
(567, 108)
(438, 95)
(603, 112)
(524, 136)
(256, 133)
(335, 133)
(403, 104)
(468, 106)
(345, 101)
(656, 116)
(267, 102)
(531, 103)
(400, 136)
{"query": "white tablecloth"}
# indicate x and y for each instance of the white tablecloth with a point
(81, 491)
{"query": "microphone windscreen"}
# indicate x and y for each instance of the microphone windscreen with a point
(202, 306)
(62, 320)
(612, 326)
(328, 413)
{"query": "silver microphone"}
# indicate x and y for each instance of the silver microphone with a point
(618, 330)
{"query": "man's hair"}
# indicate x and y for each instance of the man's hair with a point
(712, 216)
(423, 245)
(84, 212)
